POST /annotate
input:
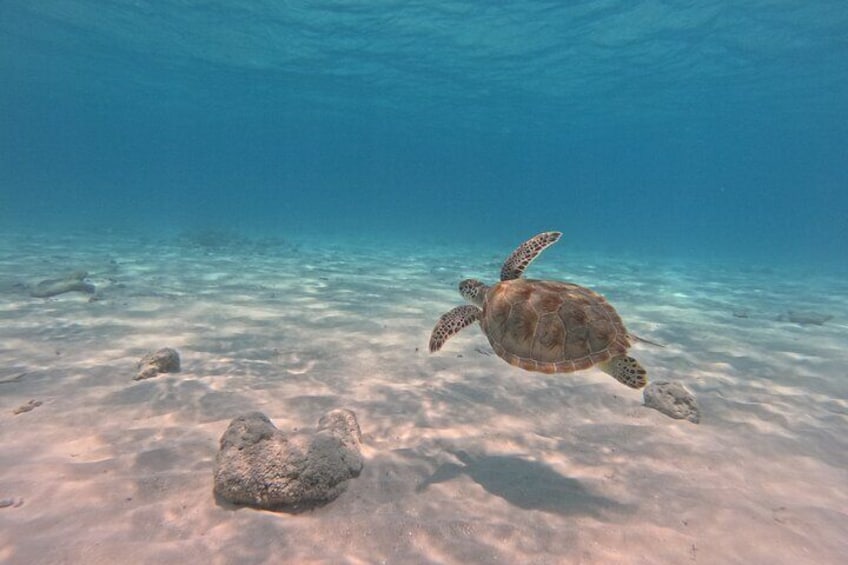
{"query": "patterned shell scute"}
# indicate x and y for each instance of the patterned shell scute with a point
(550, 326)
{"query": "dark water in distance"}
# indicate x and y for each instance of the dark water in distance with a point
(681, 129)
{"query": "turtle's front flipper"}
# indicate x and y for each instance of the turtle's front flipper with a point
(451, 322)
(516, 263)
(626, 370)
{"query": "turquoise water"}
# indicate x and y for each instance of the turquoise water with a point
(711, 131)
(288, 194)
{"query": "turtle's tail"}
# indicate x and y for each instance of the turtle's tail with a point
(643, 340)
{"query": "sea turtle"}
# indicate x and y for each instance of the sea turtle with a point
(545, 326)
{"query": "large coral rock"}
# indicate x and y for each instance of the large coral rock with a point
(260, 466)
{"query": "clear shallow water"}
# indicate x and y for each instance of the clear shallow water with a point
(683, 129)
(288, 194)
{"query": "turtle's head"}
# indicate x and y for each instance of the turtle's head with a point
(473, 291)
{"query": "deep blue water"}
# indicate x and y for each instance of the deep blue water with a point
(665, 128)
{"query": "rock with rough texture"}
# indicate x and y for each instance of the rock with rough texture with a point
(29, 406)
(672, 399)
(165, 360)
(73, 282)
(260, 466)
(805, 317)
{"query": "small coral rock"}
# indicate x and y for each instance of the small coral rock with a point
(31, 405)
(805, 317)
(672, 399)
(166, 360)
(52, 287)
(260, 466)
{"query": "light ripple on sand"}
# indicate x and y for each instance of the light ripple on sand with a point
(468, 459)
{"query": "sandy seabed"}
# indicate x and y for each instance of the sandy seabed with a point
(467, 459)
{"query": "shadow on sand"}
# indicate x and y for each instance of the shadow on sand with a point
(529, 485)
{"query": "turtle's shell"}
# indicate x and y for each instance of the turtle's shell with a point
(550, 326)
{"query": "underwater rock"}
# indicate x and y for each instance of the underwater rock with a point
(805, 317)
(672, 399)
(11, 502)
(32, 404)
(260, 466)
(73, 282)
(165, 360)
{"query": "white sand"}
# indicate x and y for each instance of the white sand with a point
(468, 460)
